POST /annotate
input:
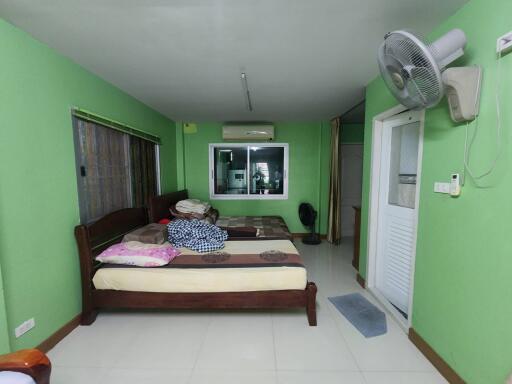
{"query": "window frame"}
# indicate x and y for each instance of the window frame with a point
(248, 196)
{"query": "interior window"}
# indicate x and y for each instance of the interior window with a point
(403, 164)
(230, 170)
(115, 170)
(248, 171)
(266, 170)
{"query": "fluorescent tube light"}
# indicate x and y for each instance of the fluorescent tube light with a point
(245, 86)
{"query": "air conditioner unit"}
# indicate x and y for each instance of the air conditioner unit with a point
(248, 132)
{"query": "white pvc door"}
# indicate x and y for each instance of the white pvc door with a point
(396, 239)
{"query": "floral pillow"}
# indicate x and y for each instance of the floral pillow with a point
(138, 254)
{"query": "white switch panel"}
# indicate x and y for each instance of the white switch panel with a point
(24, 327)
(504, 43)
(441, 187)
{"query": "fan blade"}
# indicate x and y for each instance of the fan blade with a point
(428, 84)
(417, 90)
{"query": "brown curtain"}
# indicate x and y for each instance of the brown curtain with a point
(104, 170)
(334, 218)
(144, 177)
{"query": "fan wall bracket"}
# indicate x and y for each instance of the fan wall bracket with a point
(462, 87)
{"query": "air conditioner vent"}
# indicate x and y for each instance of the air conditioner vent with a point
(248, 132)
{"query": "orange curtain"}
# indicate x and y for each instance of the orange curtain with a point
(334, 218)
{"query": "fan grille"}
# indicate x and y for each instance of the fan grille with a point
(409, 71)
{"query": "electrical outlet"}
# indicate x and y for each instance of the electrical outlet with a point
(441, 187)
(24, 327)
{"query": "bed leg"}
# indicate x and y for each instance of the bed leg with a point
(89, 317)
(311, 303)
(89, 313)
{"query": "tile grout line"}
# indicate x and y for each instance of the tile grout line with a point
(210, 319)
(331, 314)
(346, 342)
(274, 348)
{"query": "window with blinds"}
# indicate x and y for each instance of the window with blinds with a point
(115, 169)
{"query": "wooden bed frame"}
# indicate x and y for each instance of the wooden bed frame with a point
(94, 238)
(158, 206)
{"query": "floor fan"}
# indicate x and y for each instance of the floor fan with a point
(307, 216)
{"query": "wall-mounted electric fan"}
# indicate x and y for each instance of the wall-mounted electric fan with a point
(307, 215)
(415, 73)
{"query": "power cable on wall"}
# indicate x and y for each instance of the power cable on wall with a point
(499, 145)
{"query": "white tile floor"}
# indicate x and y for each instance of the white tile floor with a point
(245, 347)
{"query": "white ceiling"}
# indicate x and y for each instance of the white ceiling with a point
(305, 59)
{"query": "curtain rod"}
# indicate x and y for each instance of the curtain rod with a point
(95, 118)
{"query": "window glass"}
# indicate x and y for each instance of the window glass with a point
(266, 170)
(250, 171)
(403, 165)
(230, 170)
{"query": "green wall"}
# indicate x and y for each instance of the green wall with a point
(4, 331)
(38, 191)
(352, 133)
(309, 151)
(463, 290)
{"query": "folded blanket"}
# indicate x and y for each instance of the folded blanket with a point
(208, 217)
(196, 235)
(192, 206)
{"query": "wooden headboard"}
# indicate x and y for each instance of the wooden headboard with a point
(158, 206)
(93, 238)
(109, 230)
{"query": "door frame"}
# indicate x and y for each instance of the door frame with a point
(373, 212)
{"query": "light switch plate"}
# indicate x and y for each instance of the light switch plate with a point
(24, 327)
(504, 43)
(441, 187)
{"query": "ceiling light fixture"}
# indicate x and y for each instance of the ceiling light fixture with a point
(245, 86)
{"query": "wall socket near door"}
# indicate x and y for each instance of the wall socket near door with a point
(24, 327)
(441, 187)
(452, 188)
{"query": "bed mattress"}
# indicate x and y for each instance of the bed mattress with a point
(242, 266)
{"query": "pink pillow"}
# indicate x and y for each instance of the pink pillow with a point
(138, 254)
